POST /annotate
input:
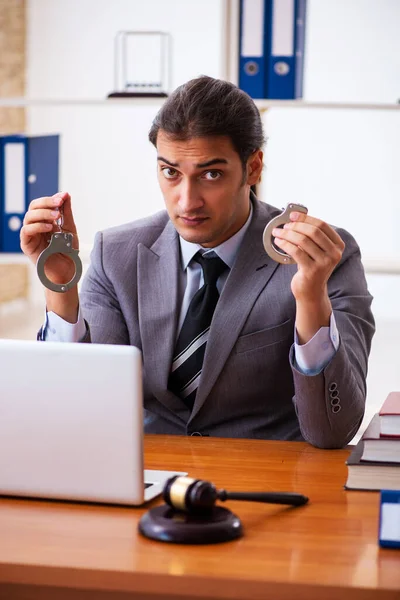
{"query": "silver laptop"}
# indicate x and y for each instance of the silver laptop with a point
(71, 423)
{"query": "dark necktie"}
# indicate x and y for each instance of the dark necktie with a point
(191, 345)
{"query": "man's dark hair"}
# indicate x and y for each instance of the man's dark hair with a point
(205, 107)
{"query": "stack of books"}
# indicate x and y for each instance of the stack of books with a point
(374, 463)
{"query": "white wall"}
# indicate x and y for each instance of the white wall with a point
(107, 164)
(71, 42)
(344, 165)
(353, 51)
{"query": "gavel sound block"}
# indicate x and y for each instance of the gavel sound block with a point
(191, 517)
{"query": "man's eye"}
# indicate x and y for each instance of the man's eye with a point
(169, 173)
(213, 175)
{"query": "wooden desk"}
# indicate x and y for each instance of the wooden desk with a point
(327, 549)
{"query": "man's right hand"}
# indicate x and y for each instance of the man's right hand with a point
(39, 224)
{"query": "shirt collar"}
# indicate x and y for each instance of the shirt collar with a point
(226, 251)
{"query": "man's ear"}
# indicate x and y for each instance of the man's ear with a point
(254, 167)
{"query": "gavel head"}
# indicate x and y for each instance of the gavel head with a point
(189, 495)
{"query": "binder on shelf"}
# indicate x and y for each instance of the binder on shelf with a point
(29, 168)
(272, 39)
(389, 519)
(13, 191)
(252, 40)
(286, 49)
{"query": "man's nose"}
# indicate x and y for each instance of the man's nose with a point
(189, 197)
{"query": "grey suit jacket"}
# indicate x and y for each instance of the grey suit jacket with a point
(249, 385)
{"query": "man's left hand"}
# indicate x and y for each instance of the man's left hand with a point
(316, 248)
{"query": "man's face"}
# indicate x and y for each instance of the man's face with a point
(202, 183)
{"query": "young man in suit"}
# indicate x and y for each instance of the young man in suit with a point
(234, 344)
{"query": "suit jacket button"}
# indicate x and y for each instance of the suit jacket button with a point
(196, 433)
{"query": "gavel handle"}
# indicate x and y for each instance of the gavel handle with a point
(268, 497)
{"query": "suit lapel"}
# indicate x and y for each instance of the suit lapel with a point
(250, 274)
(158, 273)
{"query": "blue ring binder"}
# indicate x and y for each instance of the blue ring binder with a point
(271, 52)
(29, 168)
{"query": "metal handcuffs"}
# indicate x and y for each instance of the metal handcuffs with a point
(60, 243)
(284, 217)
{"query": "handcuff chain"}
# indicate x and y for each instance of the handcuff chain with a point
(60, 220)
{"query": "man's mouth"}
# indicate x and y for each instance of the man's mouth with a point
(193, 220)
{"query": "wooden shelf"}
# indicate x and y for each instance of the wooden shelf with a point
(382, 266)
(7, 258)
(261, 104)
(31, 102)
(264, 105)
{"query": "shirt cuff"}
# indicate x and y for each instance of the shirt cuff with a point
(311, 358)
(55, 329)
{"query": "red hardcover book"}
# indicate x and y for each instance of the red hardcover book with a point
(378, 448)
(390, 415)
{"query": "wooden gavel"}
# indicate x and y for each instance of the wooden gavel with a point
(195, 495)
